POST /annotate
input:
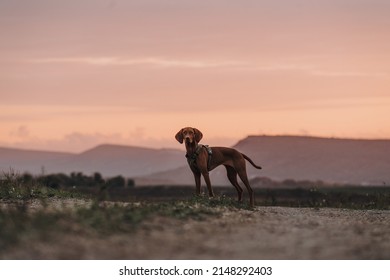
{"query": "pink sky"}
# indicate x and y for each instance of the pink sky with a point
(75, 74)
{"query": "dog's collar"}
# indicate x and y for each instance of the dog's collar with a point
(191, 158)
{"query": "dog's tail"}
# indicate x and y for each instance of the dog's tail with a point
(251, 162)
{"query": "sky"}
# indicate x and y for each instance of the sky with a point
(78, 73)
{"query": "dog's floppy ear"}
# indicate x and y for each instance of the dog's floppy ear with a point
(198, 135)
(179, 136)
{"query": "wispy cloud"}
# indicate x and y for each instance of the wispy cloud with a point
(146, 61)
(306, 68)
(160, 62)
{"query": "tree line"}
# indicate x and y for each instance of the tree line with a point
(78, 179)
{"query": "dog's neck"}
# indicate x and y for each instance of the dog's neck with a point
(191, 147)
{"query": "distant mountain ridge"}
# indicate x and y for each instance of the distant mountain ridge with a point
(282, 157)
(29, 160)
(327, 159)
(109, 160)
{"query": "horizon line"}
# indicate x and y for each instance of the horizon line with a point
(12, 147)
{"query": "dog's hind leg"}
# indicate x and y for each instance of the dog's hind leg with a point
(232, 176)
(244, 178)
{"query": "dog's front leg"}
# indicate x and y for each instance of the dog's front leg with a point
(208, 183)
(197, 182)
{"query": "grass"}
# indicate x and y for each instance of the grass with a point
(221, 201)
(115, 218)
(16, 225)
(13, 186)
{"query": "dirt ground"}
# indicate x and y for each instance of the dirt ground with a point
(271, 233)
(266, 233)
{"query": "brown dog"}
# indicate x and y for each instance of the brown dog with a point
(203, 159)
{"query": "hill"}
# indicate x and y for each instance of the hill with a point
(327, 159)
(34, 162)
(109, 160)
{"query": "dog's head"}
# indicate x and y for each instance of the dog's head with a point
(189, 134)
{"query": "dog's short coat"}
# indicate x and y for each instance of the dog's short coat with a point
(205, 159)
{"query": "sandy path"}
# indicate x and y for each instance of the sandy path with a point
(267, 233)
(273, 233)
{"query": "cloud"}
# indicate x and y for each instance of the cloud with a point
(159, 62)
(239, 65)
(21, 132)
(143, 61)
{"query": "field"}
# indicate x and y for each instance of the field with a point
(37, 222)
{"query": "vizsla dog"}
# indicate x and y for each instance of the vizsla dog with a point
(203, 159)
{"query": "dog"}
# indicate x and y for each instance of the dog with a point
(203, 159)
